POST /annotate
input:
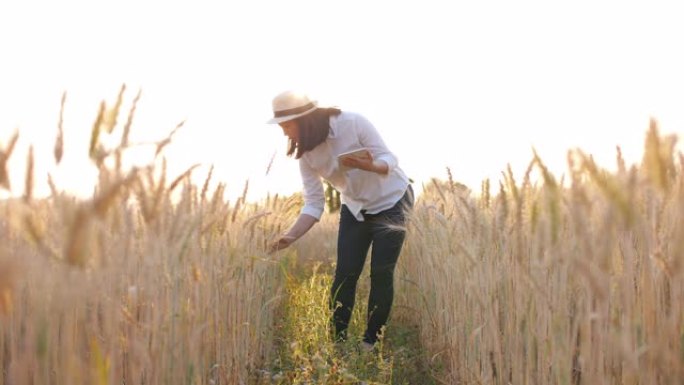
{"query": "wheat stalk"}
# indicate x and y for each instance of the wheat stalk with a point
(5, 154)
(28, 190)
(123, 144)
(205, 186)
(163, 143)
(111, 116)
(53, 188)
(59, 141)
(182, 176)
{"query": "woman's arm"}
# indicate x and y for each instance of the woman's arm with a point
(367, 163)
(382, 160)
(314, 204)
(301, 226)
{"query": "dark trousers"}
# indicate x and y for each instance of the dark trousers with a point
(386, 232)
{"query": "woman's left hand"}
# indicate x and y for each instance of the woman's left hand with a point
(365, 162)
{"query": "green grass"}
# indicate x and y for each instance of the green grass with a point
(305, 353)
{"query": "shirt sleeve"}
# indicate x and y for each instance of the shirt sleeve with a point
(370, 138)
(314, 196)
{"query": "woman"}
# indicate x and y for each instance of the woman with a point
(375, 194)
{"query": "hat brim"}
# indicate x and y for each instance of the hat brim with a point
(286, 118)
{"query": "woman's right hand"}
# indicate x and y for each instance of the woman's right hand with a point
(301, 226)
(282, 242)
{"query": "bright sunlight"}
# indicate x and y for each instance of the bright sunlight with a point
(470, 87)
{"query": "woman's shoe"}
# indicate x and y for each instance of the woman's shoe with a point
(366, 347)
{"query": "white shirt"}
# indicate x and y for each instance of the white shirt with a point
(359, 189)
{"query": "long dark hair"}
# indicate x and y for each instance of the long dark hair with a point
(313, 130)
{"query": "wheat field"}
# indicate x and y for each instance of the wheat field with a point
(572, 281)
(156, 280)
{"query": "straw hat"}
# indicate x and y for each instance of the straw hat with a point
(291, 105)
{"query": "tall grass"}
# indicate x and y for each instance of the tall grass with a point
(555, 284)
(306, 353)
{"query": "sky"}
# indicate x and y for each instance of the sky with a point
(469, 86)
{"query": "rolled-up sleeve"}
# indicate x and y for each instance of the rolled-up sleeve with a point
(314, 196)
(371, 139)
